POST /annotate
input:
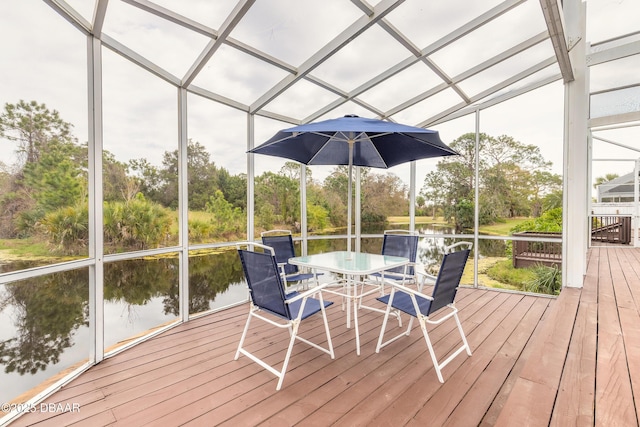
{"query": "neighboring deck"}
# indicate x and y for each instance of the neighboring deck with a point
(520, 372)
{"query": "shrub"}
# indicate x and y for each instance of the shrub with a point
(68, 228)
(199, 230)
(226, 218)
(547, 280)
(551, 220)
(136, 223)
(504, 272)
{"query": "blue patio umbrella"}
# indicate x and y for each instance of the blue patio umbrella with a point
(353, 140)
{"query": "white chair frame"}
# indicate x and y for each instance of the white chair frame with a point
(424, 320)
(292, 325)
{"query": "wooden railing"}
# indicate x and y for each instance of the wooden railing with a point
(530, 252)
(611, 229)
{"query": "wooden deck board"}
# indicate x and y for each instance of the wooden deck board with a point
(410, 402)
(414, 368)
(536, 361)
(538, 382)
(477, 401)
(575, 400)
(614, 400)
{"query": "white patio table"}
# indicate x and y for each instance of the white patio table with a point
(353, 265)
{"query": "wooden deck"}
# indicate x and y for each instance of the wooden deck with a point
(536, 361)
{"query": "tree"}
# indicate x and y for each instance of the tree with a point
(604, 179)
(117, 184)
(33, 126)
(204, 178)
(226, 218)
(546, 190)
(147, 178)
(420, 202)
(282, 193)
(234, 188)
(383, 195)
(514, 178)
(317, 217)
(50, 168)
(433, 190)
(56, 180)
(292, 170)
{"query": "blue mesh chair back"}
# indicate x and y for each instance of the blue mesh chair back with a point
(284, 249)
(451, 269)
(403, 245)
(264, 281)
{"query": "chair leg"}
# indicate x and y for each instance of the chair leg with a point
(396, 313)
(294, 332)
(244, 335)
(462, 335)
(436, 366)
(465, 345)
(326, 326)
(384, 326)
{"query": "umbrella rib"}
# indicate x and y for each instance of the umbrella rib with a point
(318, 151)
(326, 135)
(277, 141)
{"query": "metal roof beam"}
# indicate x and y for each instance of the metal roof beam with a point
(469, 109)
(228, 25)
(615, 119)
(192, 25)
(98, 17)
(521, 47)
(470, 26)
(553, 16)
(353, 31)
(611, 54)
(70, 14)
(138, 59)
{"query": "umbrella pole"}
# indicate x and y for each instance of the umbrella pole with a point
(350, 195)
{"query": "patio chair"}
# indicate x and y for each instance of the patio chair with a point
(282, 243)
(403, 243)
(421, 306)
(423, 276)
(268, 296)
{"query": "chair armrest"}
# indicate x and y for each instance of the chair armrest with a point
(410, 291)
(448, 249)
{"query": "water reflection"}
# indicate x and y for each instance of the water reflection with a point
(46, 312)
(211, 276)
(43, 317)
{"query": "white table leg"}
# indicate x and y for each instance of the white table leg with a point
(355, 319)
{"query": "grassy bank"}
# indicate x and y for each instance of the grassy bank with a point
(499, 229)
(28, 249)
(32, 248)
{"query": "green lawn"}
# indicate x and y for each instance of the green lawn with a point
(499, 229)
(27, 249)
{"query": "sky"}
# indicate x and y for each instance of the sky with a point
(45, 60)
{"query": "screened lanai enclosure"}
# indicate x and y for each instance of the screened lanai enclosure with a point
(126, 182)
